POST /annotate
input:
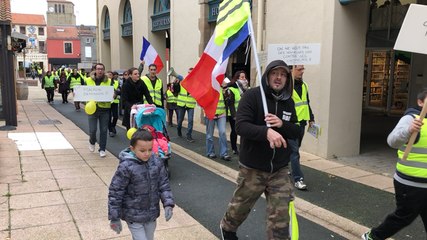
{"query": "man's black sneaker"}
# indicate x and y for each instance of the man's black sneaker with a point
(212, 156)
(179, 133)
(190, 139)
(226, 158)
(226, 235)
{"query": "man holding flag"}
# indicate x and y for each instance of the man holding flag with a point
(264, 156)
(264, 120)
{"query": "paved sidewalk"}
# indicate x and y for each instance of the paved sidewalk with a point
(62, 193)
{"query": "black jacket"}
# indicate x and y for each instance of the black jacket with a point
(133, 93)
(255, 151)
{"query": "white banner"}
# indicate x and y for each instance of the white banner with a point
(295, 54)
(95, 93)
(413, 34)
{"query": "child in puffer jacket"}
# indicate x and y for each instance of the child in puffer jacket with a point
(138, 185)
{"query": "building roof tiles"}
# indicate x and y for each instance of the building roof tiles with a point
(28, 19)
(5, 15)
(62, 32)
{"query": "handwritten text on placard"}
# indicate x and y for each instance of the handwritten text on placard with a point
(295, 54)
(96, 93)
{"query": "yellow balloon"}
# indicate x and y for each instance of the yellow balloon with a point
(130, 132)
(90, 107)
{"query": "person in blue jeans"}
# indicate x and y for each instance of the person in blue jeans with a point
(220, 120)
(304, 114)
(185, 103)
(102, 113)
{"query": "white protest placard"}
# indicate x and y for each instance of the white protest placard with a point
(295, 54)
(413, 33)
(95, 93)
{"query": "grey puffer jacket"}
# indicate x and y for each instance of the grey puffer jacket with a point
(136, 189)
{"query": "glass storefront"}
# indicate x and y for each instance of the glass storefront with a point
(386, 81)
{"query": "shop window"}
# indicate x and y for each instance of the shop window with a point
(68, 48)
(386, 80)
(63, 9)
(56, 8)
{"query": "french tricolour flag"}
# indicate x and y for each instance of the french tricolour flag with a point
(204, 82)
(150, 55)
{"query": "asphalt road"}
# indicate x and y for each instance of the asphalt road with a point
(205, 196)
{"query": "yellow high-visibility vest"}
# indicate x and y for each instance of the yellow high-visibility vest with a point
(220, 108)
(301, 104)
(116, 86)
(184, 99)
(416, 163)
(156, 92)
(49, 81)
(170, 98)
(236, 93)
(75, 81)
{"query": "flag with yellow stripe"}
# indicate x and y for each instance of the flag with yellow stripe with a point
(232, 15)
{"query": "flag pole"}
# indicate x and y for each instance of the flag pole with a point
(258, 68)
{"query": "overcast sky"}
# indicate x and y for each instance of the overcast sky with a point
(85, 10)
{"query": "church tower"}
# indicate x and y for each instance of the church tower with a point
(60, 12)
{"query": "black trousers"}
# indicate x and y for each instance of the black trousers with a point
(410, 202)
(114, 115)
(50, 92)
(64, 97)
(233, 134)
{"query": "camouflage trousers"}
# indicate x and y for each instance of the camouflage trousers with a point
(278, 190)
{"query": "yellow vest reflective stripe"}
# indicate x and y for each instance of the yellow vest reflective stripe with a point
(91, 82)
(75, 82)
(184, 99)
(301, 104)
(416, 163)
(156, 92)
(48, 81)
(116, 85)
(220, 108)
(170, 98)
